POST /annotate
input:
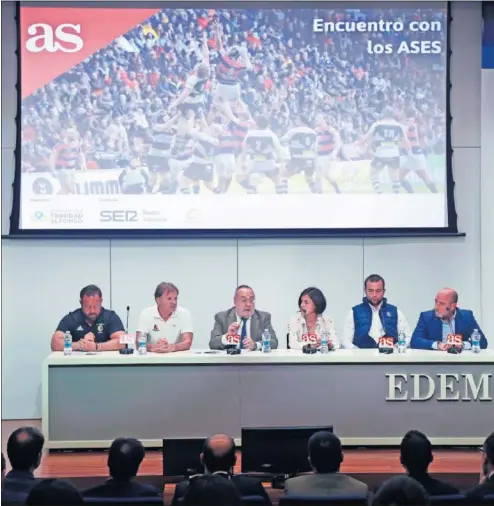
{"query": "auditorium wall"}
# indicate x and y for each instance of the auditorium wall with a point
(41, 278)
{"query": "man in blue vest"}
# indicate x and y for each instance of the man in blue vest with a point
(374, 318)
(446, 318)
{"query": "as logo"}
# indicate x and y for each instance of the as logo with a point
(63, 38)
(99, 328)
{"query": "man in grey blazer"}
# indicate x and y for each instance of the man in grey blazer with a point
(242, 319)
(325, 457)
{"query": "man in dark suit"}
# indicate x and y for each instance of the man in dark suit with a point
(219, 457)
(486, 485)
(416, 456)
(242, 320)
(24, 449)
(325, 458)
(124, 459)
(446, 318)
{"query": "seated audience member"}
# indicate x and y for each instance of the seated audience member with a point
(446, 318)
(24, 450)
(311, 320)
(401, 491)
(54, 492)
(374, 318)
(211, 490)
(167, 326)
(124, 458)
(486, 485)
(93, 328)
(242, 319)
(325, 458)
(219, 457)
(416, 456)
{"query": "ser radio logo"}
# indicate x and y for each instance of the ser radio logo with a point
(44, 37)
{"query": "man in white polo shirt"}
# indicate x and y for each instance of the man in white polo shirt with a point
(168, 326)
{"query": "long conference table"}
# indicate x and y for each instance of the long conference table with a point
(369, 398)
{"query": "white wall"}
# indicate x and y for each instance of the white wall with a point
(41, 278)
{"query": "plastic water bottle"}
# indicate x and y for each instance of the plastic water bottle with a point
(67, 343)
(475, 341)
(324, 342)
(266, 341)
(402, 343)
(142, 344)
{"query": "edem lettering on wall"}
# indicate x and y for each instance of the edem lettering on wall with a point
(441, 387)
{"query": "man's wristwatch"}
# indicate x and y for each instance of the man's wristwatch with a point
(98, 346)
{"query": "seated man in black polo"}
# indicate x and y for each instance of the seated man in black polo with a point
(93, 327)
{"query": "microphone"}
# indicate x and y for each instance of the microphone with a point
(235, 345)
(455, 340)
(125, 338)
(307, 339)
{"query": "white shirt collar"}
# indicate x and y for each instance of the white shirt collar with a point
(157, 315)
(240, 317)
(376, 308)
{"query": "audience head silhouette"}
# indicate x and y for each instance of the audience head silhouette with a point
(124, 458)
(218, 454)
(488, 451)
(4, 466)
(54, 492)
(325, 454)
(401, 491)
(416, 452)
(24, 448)
(211, 490)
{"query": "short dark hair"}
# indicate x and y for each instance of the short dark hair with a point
(125, 457)
(316, 296)
(24, 448)
(54, 492)
(165, 287)
(415, 452)
(242, 287)
(211, 490)
(215, 460)
(325, 452)
(401, 490)
(488, 448)
(4, 464)
(374, 278)
(90, 291)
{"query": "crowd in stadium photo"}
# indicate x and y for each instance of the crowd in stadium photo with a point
(247, 101)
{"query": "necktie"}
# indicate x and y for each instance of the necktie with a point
(243, 333)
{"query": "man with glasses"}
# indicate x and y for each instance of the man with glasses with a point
(374, 318)
(242, 320)
(486, 485)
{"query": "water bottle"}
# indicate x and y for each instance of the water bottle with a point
(142, 344)
(475, 341)
(324, 342)
(402, 343)
(67, 343)
(266, 341)
(304, 330)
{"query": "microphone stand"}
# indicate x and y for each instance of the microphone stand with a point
(127, 350)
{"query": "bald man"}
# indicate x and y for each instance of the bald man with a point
(446, 318)
(219, 456)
